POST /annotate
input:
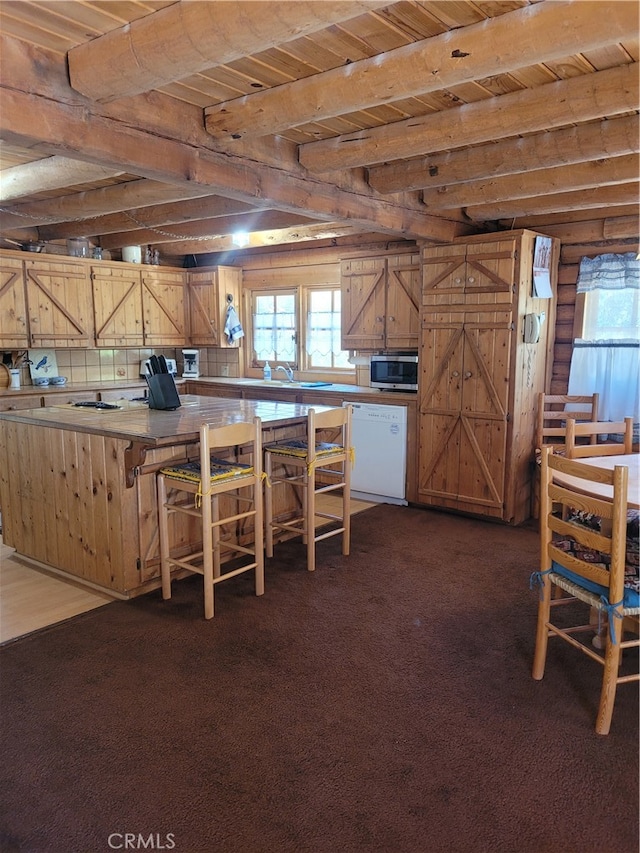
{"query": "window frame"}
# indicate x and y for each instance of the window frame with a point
(303, 372)
(582, 306)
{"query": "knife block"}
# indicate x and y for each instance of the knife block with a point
(163, 393)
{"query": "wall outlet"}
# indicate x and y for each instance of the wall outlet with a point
(224, 370)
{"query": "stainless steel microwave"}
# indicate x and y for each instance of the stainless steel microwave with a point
(397, 372)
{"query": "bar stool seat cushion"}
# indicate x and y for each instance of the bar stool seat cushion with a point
(299, 447)
(221, 469)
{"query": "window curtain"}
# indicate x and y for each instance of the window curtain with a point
(609, 272)
(611, 368)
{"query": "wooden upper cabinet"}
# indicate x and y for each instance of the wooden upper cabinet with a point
(164, 307)
(59, 303)
(117, 305)
(381, 302)
(210, 293)
(363, 285)
(404, 286)
(482, 274)
(136, 307)
(14, 329)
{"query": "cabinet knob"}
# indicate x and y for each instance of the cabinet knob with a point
(458, 280)
(471, 279)
(468, 374)
(379, 319)
(455, 373)
(392, 319)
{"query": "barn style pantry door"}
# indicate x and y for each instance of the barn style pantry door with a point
(467, 326)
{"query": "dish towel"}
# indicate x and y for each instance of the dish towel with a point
(233, 327)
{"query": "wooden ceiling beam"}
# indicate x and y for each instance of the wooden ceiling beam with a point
(578, 144)
(580, 99)
(77, 208)
(534, 183)
(154, 216)
(50, 174)
(592, 230)
(204, 228)
(621, 194)
(25, 119)
(536, 223)
(164, 140)
(508, 42)
(185, 38)
(262, 239)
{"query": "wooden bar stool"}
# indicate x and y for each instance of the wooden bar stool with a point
(182, 490)
(305, 456)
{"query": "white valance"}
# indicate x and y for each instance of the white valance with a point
(609, 272)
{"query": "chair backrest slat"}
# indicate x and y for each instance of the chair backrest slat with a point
(335, 418)
(214, 438)
(554, 410)
(595, 430)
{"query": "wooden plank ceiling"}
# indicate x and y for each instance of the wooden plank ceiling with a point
(179, 124)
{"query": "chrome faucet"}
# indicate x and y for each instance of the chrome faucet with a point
(288, 371)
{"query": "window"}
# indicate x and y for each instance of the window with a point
(606, 359)
(275, 327)
(612, 315)
(323, 331)
(299, 326)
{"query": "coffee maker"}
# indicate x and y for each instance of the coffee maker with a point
(191, 368)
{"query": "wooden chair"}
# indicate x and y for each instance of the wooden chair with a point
(583, 551)
(183, 491)
(552, 417)
(594, 430)
(305, 456)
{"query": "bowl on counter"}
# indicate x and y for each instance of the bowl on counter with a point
(41, 380)
(57, 380)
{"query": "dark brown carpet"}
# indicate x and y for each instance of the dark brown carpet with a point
(383, 704)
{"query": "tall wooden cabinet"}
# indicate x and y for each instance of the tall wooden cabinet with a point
(478, 377)
(381, 302)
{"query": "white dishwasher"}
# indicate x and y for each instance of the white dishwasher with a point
(379, 437)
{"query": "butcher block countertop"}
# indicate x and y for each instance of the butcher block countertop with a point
(135, 422)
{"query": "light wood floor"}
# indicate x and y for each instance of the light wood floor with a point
(31, 599)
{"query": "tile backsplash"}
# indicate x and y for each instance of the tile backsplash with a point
(104, 365)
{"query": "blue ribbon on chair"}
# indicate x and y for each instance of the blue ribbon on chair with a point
(612, 612)
(537, 579)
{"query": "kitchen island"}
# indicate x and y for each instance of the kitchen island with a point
(77, 486)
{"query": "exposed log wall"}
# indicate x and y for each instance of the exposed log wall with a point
(576, 244)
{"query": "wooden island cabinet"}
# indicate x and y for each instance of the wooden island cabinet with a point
(77, 486)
